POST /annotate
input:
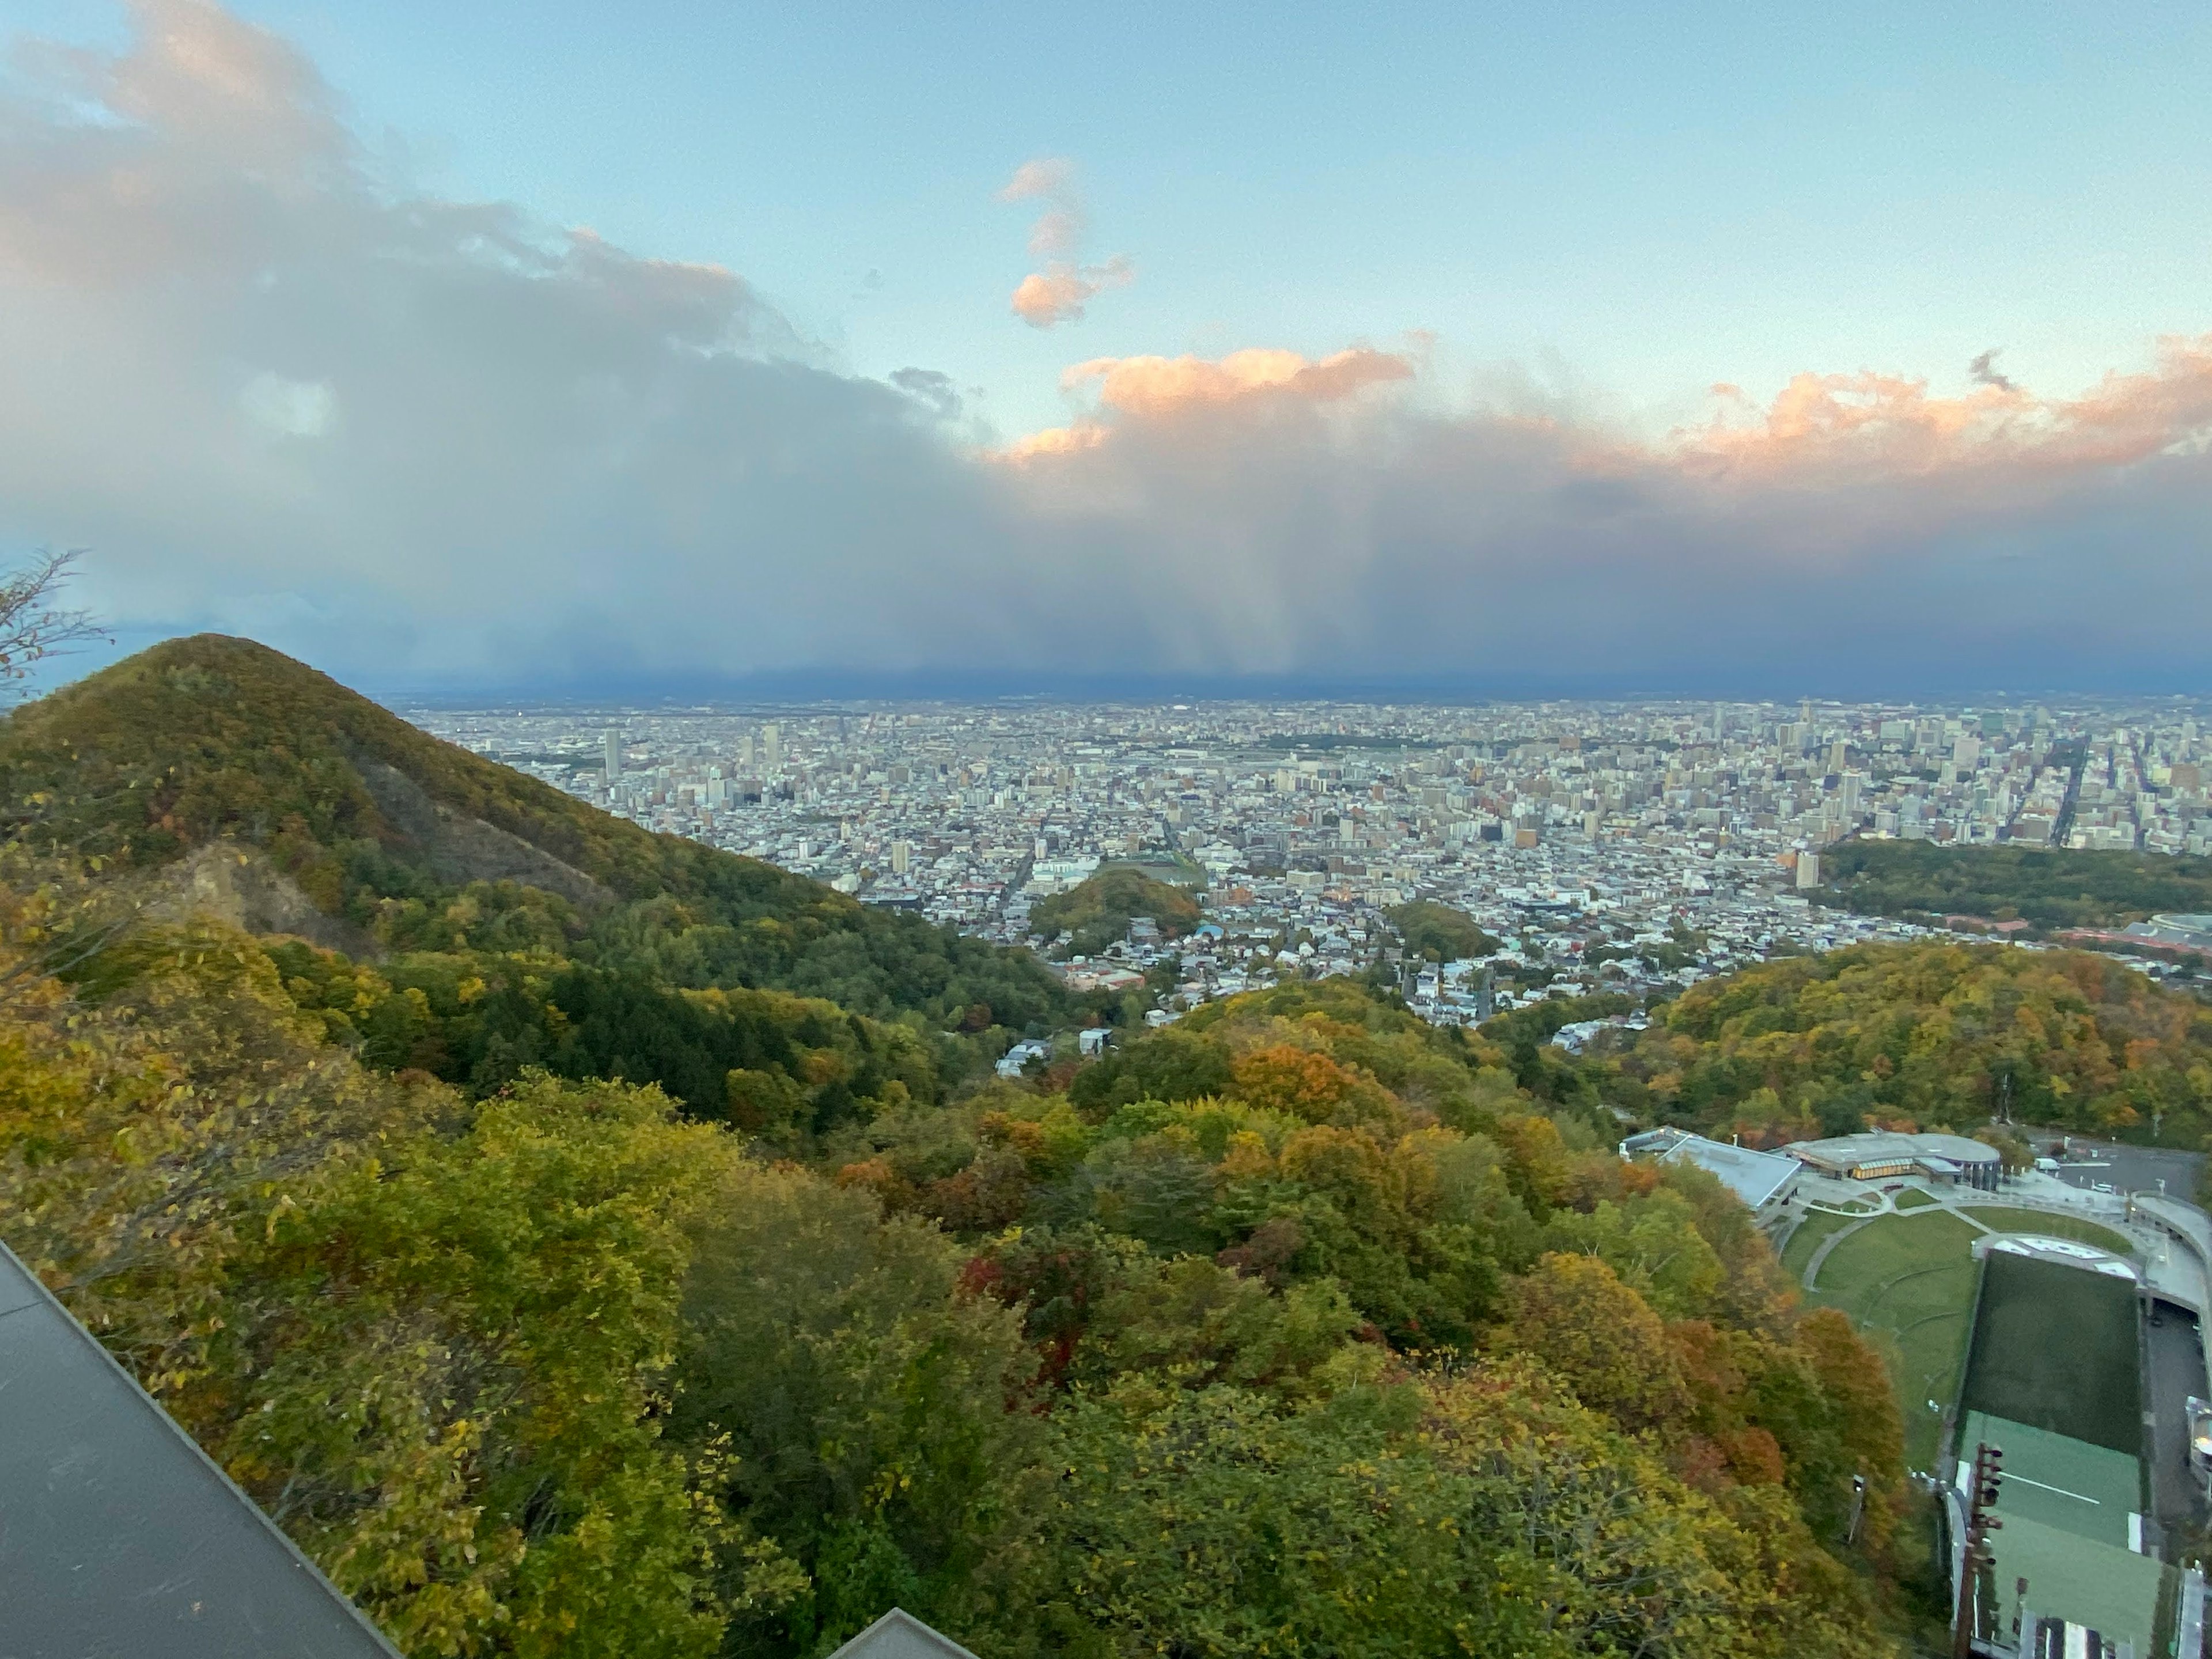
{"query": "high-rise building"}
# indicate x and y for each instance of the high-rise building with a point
(1808, 869)
(614, 755)
(1853, 783)
(745, 754)
(1839, 755)
(771, 746)
(902, 857)
(1967, 752)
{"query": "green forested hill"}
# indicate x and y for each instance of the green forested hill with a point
(416, 846)
(1933, 1034)
(1098, 910)
(1331, 1341)
(2051, 887)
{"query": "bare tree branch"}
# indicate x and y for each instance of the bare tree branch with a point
(31, 626)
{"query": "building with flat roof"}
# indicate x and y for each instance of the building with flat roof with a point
(1758, 1178)
(1883, 1155)
(119, 1534)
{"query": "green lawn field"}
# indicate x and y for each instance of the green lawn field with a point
(2004, 1218)
(1908, 1281)
(1807, 1239)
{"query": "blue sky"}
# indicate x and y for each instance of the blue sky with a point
(1626, 203)
(1423, 309)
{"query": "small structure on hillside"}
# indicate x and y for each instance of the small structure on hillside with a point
(1016, 1060)
(899, 1635)
(1758, 1178)
(1883, 1155)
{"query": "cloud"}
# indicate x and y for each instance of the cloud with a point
(1155, 386)
(932, 387)
(1058, 293)
(419, 440)
(1983, 371)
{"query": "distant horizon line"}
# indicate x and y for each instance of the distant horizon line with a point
(1762, 682)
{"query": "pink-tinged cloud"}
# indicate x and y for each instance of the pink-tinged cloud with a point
(1153, 385)
(1836, 430)
(1042, 175)
(1058, 293)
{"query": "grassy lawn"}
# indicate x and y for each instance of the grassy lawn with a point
(2006, 1219)
(1912, 1199)
(1908, 1281)
(1807, 1239)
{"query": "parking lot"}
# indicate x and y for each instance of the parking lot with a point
(2130, 1168)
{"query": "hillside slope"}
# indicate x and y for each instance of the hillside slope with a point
(211, 739)
(1098, 912)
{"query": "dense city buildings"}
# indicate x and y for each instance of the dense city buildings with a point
(1603, 844)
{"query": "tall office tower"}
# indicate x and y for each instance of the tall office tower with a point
(771, 746)
(614, 755)
(1852, 783)
(745, 754)
(1805, 711)
(902, 857)
(1808, 869)
(1839, 755)
(1967, 751)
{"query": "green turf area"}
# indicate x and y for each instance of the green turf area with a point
(2055, 1347)
(1909, 1281)
(2005, 1218)
(1815, 1227)
(2112, 1590)
(1912, 1199)
(2057, 1482)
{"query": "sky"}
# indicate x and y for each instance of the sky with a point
(1742, 349)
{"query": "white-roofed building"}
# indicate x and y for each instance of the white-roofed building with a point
(1881, 1155)
(1758, 1178)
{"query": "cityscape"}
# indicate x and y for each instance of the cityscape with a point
(1319, 832)
(1604, 846)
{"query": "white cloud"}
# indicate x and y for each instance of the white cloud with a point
(292, 409)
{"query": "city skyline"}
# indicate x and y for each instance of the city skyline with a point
(1603, 846)
(1756, 362)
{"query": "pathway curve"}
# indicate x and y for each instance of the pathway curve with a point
(1821, 1250)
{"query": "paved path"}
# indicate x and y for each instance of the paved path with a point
(1960, 1205)
(1820, 1251)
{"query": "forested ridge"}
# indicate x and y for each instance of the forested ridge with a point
(2050, 888)
(1925, 1035)
(1355, 1353)
(566, 1291)
(210, 742)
